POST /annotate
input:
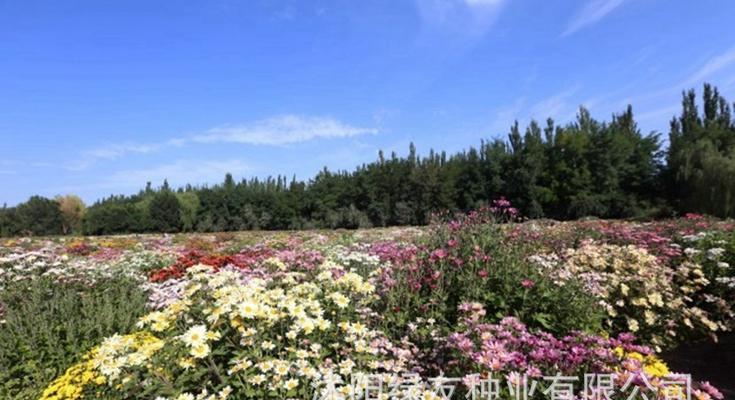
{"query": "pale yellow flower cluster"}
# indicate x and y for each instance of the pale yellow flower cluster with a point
(197, 338)
(640, 294)
(118, 352)
(282, 335)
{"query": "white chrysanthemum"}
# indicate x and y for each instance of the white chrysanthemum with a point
(291, 384)
(195, 336)
(340, 300)
(247, 309)
(200, 351)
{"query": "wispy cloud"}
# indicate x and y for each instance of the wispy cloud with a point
(712, 66)
(118, 150)
(717, 66)
(557, 106)
(591, 13)
(468, 16)
(285, 129)
(177, 173)
(88, 158)
(655, 105)
(274, 131)
(658, 114)
(14, 167)
(503, 117)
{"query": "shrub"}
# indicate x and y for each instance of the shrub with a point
(510, 349)
(714, 251)
(639, 293)
(49, 324)
(39, 216)
(469, 260)
(285, 337)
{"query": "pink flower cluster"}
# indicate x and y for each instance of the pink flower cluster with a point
(305, 260)
(650, 237)
(502, 208)
(395, 256)
(509, 346)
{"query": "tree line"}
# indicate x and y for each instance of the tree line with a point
(607, 169)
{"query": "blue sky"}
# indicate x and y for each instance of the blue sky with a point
(100, 97)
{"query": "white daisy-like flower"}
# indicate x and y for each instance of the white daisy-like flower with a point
(291, 384)
(200, 351)
(195, 336)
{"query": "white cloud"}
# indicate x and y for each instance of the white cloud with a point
(658, 114)
(712, 66)
(556, 106)
(503, 117)
(119, 150)
(591, 13)
(483, 3)
(655, 106)
(274, 131)
(280, 130)
(177, 173)
(718, 64)
(559, 106)
(466, 16)
(13, 167)
(111, 152)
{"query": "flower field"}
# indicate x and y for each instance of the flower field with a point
(539, 309)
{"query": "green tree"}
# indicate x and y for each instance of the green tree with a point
(189, 202)
(701, 156)
(165, 212)
(39, 216)
(72, 212)
(112, 217)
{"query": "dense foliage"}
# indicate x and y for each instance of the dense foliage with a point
(48, 324)
(471, 259)
(701, 157)
(586, 168)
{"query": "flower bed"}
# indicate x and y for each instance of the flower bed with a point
(309, 315)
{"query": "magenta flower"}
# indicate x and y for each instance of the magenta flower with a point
(438, 254)
(711, 390)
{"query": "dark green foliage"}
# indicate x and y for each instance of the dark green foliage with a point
(115, 216)
(37, 216)
(164, 212)
(701, 158)
(8, 222)
(556, 171)
(50, 324)
(585, 168)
